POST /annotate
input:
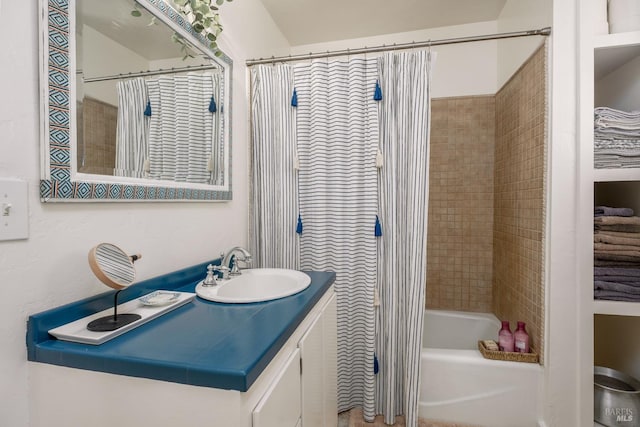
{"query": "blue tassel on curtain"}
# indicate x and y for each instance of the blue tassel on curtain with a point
(212, 105)
(147, 111)
(376, 367)
(294, 98)
(299, 226)
(377, 94)
(378, 231)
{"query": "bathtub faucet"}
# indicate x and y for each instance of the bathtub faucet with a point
(226, 259)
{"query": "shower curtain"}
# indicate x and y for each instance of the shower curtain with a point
(181, 127)
(132, 129)
(403, 190)
(274, 190)
(337, 127)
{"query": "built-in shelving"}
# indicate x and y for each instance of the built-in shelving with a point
(607, 325)
(623, 174)
(617, 40)
(616, 308)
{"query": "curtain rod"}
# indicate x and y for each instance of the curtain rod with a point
(328, 54)
(148, 73)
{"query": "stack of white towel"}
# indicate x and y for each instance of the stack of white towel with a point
(616, 138)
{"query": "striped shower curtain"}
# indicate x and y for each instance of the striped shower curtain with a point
(181, 127)
(403, 187)
(132, 129)
(274, 199)
(337, 126)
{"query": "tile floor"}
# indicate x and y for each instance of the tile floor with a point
(354, 418)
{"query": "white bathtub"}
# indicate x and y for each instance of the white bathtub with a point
(459, 385)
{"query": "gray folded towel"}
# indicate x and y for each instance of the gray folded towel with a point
(616, 271)
(609, 211)
(628, 280)
(617, 287)
(615, 296)
(615, 264)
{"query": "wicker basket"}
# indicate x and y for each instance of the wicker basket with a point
(531, 357)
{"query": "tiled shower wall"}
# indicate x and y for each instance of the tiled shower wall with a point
(97, 137)
(460, 229)
(486, 201)
(518, 239)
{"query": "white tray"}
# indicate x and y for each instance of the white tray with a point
(77, 331)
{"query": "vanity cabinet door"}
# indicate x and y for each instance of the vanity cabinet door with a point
(330, 362)
(318, 351)
(280, 405)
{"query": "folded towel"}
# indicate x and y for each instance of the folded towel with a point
(616, 220)
(627, 228)
(609, 211)
(614, 248)
(613, 115)
(615, 264)
(616, 271)
(618, 287)
(633, 256)
(615, 296)
(625, 280)
(617, 238)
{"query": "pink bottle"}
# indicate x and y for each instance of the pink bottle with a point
(505, 337)
(521, 339)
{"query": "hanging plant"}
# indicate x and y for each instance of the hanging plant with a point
(204, 18)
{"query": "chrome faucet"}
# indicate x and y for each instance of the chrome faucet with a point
(226, 259)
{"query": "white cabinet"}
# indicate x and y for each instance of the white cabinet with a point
(62, 396)
(280, 405)
(306, 389)
(318, 349)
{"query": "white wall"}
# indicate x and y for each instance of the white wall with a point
(620, 89)
(520, 15)
(104, 57)
(460, 70)
(563, 352)
(50, 268)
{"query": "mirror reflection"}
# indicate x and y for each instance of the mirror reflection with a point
(148, 105)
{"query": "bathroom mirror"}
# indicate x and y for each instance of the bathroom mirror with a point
(113, 267)
(131, 114)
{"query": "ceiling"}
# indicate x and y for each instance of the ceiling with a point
(113, 19)
(312, 21)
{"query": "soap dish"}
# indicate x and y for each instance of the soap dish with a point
(159, 298)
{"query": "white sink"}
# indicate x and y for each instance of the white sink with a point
(256, 284)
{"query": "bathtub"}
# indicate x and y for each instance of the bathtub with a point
(457, 384)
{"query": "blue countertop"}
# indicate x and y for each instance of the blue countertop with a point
(202, 343)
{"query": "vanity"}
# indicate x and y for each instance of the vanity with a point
(205, 363)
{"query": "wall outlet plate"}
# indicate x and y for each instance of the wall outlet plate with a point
(14, 209)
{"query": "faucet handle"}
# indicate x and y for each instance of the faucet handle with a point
(210, 280)
(223, 270)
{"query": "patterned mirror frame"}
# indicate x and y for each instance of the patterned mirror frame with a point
(56, 184)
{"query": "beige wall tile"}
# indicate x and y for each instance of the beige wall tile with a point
(486, 201)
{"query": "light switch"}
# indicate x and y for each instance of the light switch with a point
(14, 209)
